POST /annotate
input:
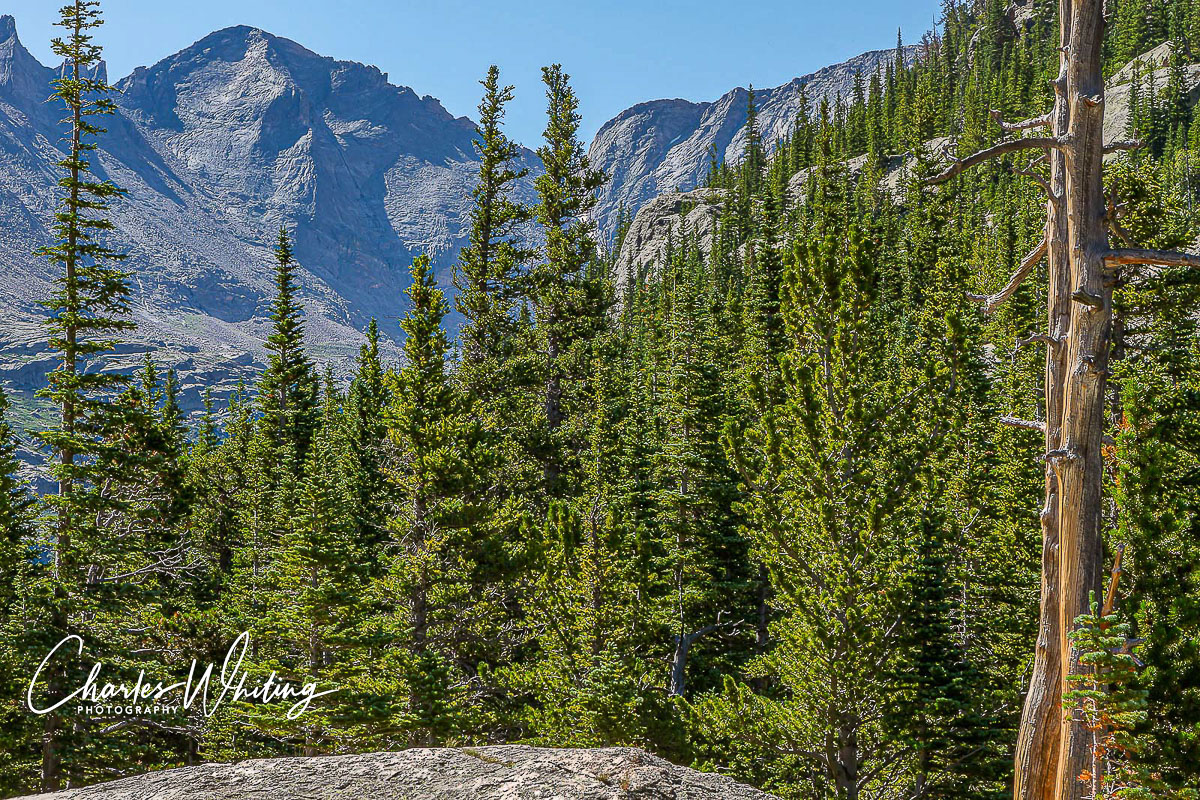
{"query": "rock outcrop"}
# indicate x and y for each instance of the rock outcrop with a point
(664, 145)
(697, 211)
(1155, 68)
(507, 772)
(673, 214)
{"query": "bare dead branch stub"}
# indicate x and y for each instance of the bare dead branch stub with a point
(1027, 264)
(1024, 424)
(1141, 255)
(1033, 122)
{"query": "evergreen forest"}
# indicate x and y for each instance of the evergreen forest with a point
(767, 507)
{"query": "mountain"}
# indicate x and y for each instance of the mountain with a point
(222, 143)
(663, 145)
(218, 146)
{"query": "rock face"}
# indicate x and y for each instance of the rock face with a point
(663, 145)
(218, 146)
(1117, 89)
(507, 772)
(669, 215)
(222, 143)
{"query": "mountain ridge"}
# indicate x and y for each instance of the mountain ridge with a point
(661, 146)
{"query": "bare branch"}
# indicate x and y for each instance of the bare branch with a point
(1024, 424)
(684, 642)
(1139, 255)
(1033, 122)
(1110, 600)
(1061, 454)
(1086, 298)
(1043, 338)
(147, 723)
(1039, 180)
(1011, 146)
(1121, 233)
(1027, 264)
(1123, 144)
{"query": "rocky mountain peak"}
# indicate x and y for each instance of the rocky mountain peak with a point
(217, 146)
(99, 72)
(20, 73)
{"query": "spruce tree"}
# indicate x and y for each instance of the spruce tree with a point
(288, 391)
(834, 476)
(498, 369)
(932, 708)
(595, 673)
(490, 266)
(21, 561)
(426, 586)
(314, 587)
(702, 546)
(369, 451)
(567, 291)
(88, 312)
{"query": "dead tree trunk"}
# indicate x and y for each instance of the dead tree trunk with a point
(1052, 750)
(683, 646)
(1078, 461)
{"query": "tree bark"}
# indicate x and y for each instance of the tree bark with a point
(1080, 465)
(1037, 754)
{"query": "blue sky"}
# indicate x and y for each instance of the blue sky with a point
(619, 52)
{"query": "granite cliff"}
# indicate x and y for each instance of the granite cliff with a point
(663, 145)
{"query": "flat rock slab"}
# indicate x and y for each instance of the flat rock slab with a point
(505, 772)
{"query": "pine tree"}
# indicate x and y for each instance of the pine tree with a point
(427, 582)
(1157, 452)
(88, 311)
(753, 151)
(712, 581)
(828, 473)
(932, 707)
(595, 674)
(497, 370)
(490, 266)
(568, 294)
(288, 390)
(314, 586)
(368, 451)
(1109, 704)
(21, 561)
